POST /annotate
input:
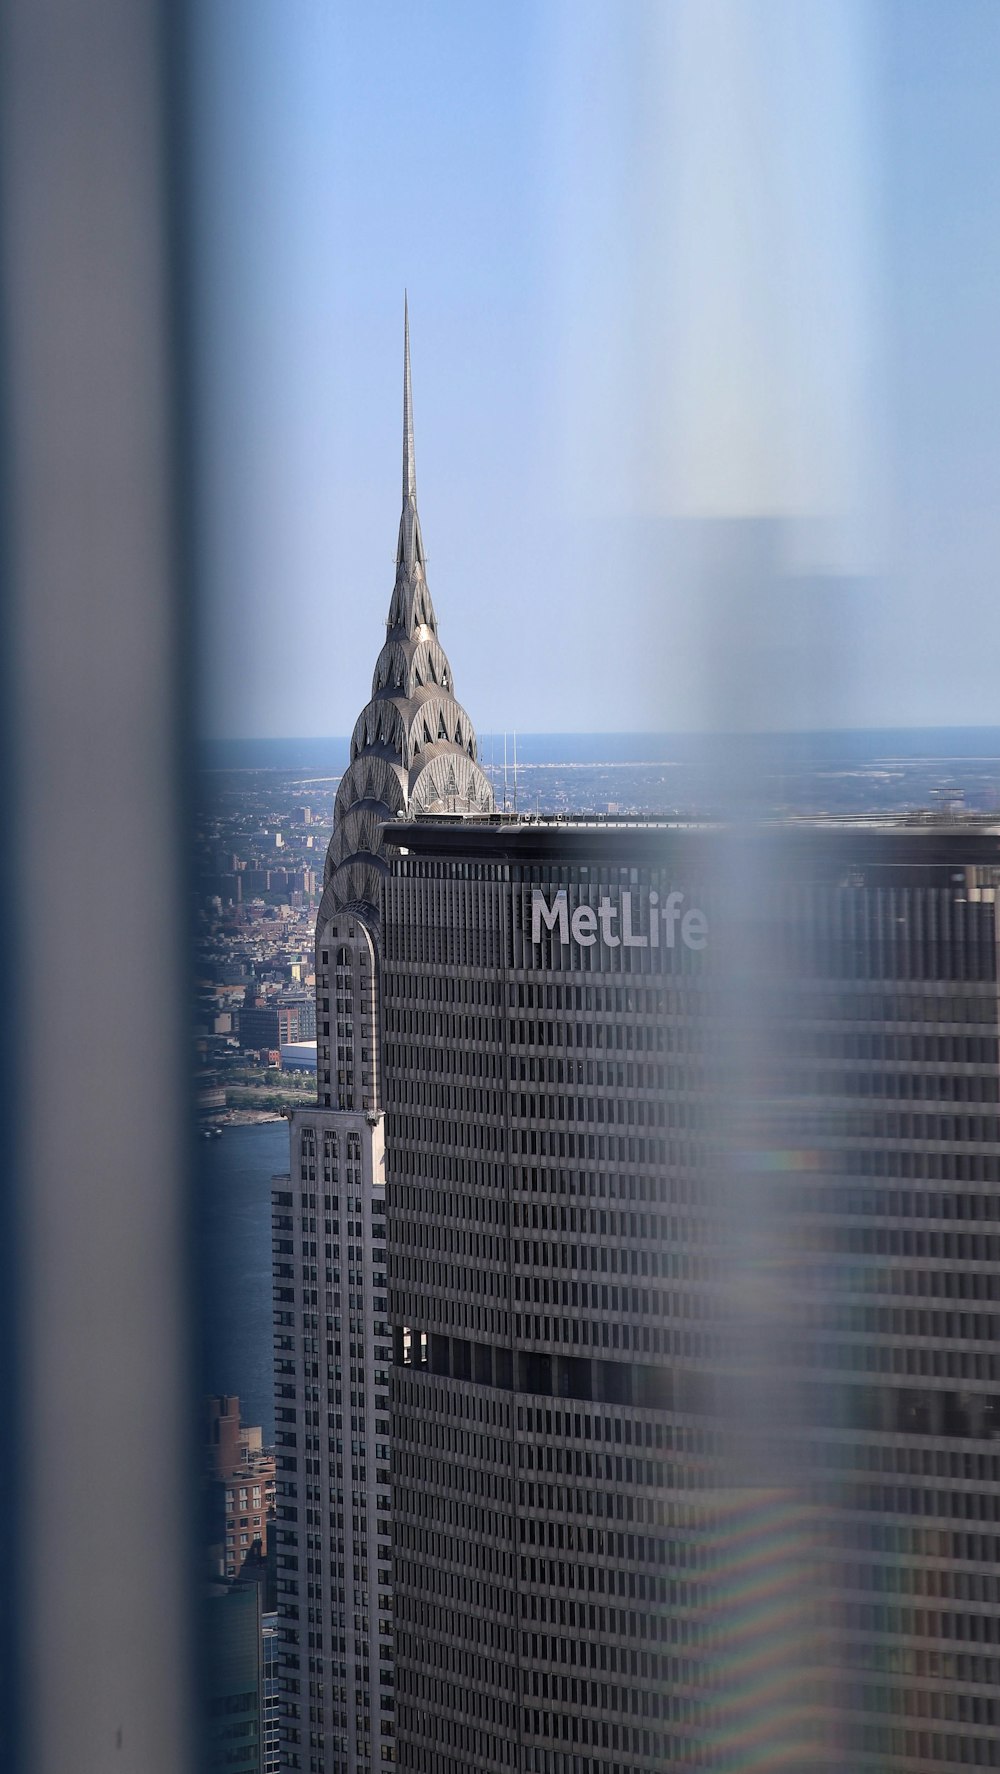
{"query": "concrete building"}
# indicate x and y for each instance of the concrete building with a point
(273, 1023)
(223, 1432)
(694, 1180)
(413, 748)
(232, 1672)
(244, 1471)
(296, 1020)
(271, 1701)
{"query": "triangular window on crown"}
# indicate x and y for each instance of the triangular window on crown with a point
(442, 729)
(427, 733)
(417, 679)
(458, 732)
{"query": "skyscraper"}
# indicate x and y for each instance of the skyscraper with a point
(693, 1241)
(413, 750)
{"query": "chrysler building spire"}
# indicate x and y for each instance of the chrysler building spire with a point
(413, 749)
(410, 552)
(409, 466)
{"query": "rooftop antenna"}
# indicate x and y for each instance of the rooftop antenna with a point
(505, 771)
(515, 769)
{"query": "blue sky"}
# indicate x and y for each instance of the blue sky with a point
(700, 291)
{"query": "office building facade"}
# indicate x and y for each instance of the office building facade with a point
(693, 1228)
(413, 748)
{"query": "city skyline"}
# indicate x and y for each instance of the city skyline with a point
(706, 368)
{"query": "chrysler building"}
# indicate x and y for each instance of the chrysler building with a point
(413, 750)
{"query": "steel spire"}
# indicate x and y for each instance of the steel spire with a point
(413, 749)
(409, 466)
(410, 553)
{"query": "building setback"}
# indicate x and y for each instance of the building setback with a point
(693, 1229)
(413, 748)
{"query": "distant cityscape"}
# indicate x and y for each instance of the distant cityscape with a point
(622, 1322)
(264, 829)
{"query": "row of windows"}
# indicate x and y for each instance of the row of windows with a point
(608, 1697)
(908, 1050)
(612, 1111)
(954, 1087)
(691, 999)
(886, 1321)
(471, 1135)
(901, 1282)
(405, 986)
(608, 1074)
(660, 1751)
(603, 1544)
(897, 1204)
(962, 1586)
(687, 1548)
(888, 1499)
(424, 1235)
(660, 1002)
(926, 1752)
(905, 1361)
(534, 1142)
(475, 1553)
(442, 1696)
(478, 1179)
(895, 1241)
(611, 1259)
(452, 1099)
(599, 1222)
(453, 1590)
(494, 1638)
(939, 1623)
(456, 1060)
(913, 1540)
(417, 1725)
(893, 1410)
(893, 1004)
(619, 1037)
(920, 1663)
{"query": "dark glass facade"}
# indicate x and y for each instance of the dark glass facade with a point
(693, 1228)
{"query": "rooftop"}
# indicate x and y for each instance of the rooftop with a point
(918, 839)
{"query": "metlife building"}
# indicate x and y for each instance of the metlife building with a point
(693, 1168)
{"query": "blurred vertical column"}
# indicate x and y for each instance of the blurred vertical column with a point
(96, 849)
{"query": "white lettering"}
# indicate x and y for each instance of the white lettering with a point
(583, 924)
(551, 916)
(670, 911)
(630, 938)
(606, 912)
(694, 929)
(619, 925)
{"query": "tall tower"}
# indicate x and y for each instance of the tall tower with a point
(413, 750)
(696, 1402)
